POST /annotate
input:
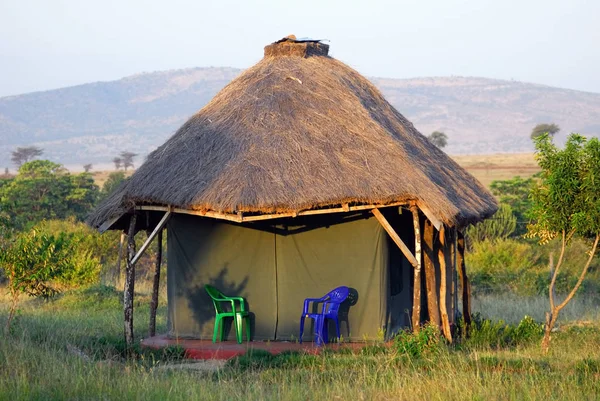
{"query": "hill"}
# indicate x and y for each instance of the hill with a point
(91, 123)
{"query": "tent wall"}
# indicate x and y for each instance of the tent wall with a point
(237, 260)
(312, 263)
(276, 267)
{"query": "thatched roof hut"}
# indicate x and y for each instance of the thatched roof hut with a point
(297, 136)
(299, 131)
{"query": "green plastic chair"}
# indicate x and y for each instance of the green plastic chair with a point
(238, 315)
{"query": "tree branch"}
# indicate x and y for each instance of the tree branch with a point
(581, 277)
(555, 273)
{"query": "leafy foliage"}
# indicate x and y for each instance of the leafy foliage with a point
(541, 129)
(112, 182)
(43, 189)
(567, 199)
(426, 342)
(34, 260)
(486, 333)
(500, 226)
(516, 194)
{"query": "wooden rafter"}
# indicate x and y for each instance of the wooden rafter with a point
(240, 218)
(151, 237)
(395, 237)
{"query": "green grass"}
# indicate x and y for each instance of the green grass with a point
(37, 361)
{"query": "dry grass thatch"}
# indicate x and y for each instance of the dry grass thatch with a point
(299, 130)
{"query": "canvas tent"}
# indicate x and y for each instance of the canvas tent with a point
(296, 178)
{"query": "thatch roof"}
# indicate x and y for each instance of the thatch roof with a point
(297, 131)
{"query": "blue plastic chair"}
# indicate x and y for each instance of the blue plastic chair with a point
(331, 306)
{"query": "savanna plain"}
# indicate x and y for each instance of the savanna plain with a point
(69, 346)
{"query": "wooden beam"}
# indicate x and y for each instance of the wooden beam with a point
(108, 224)
(216, 215)
(442, 250)
(157, 229)
(454, 280)
(129, 286)
(120, 257)
(247, 219)
(395, 237)
(155, 285)
(437, 223)
(416, 312)
(433, 307)
(464, 280)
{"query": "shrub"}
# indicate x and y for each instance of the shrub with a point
(426, 342)
(500, 226)
(500, 266)
(486, 333)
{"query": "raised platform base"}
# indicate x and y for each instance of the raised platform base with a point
(206, 349)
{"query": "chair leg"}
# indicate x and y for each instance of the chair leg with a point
(324, 330)
(222, 329)
(237, 320)
(216, 329)
(319, 331)
(301, 329)
(337, 328)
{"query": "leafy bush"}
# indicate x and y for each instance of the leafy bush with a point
(500, 226)
(486, 333)
(521, 267)
(426, 342)
(93, 250)
(515, 193)
(500, 266)
(43, 189)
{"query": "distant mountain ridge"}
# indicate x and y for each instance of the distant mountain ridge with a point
(92, 123)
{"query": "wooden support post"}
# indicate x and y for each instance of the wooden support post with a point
(432, 300)
(453, 292)
(464, 280)
(119, 258)
(155, 285)
(442, 255)
(416, 312)
(395, 237)
(129, 285)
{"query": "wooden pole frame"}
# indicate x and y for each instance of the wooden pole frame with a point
(442, 249)
(129, 287)
(151, 237)
(240, 218)
(155, 285)
(433, 306)
(395, 237)
(464, 280)
(416, 312)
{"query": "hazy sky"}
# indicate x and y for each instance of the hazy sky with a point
(47, 44)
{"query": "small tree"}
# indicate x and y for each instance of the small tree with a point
(112, 182)
(118, 162)
(25, 154)
(439, 139)
(31, 263)
(45, 190)
(127, 158)
(515, 193)
(566, 203)
(541, 129)
(87, 167)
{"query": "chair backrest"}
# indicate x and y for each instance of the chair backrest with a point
(215, 294)
(335, 298)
